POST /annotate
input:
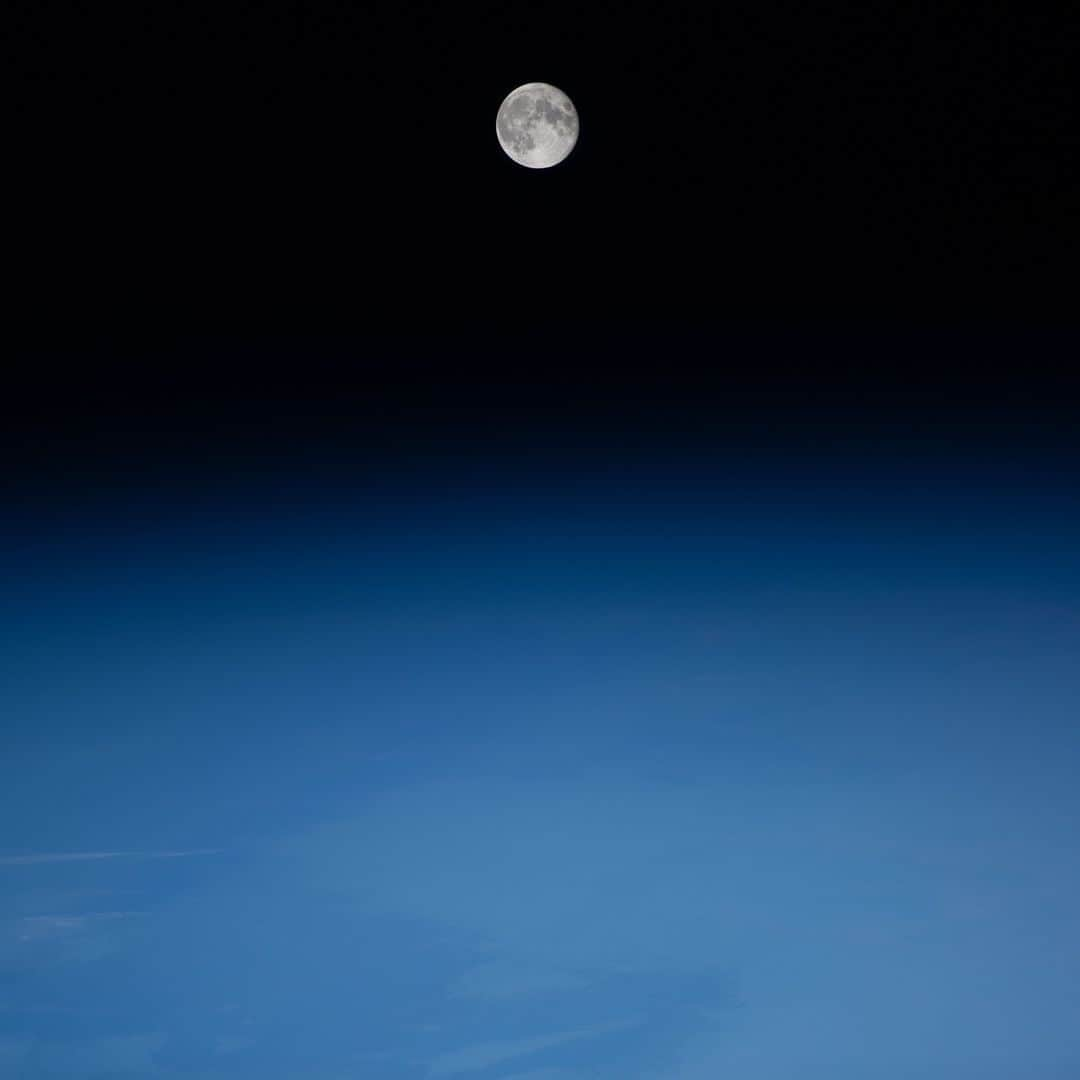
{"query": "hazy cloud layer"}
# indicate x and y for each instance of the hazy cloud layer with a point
(671, 835)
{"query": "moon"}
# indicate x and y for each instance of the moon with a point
(537, 125)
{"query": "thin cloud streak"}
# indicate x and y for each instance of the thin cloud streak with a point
(83, 856)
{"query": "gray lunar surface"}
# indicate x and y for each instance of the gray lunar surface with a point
(537, 125)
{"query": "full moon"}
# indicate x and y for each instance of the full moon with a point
(537, 125)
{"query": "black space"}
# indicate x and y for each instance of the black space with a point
(273, 164)
(247, 238)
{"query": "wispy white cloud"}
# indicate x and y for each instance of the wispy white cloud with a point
(76, 920)
(484, 1055)
(231, 1044)
(506, 979)
(84, 856)
(118, 1054)
(548, 1074)
(43, 927)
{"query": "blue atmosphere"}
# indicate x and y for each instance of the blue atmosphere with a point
(667, 773)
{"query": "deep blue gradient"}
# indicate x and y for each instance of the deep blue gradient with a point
(616, 752)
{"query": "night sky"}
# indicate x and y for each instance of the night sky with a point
(615, 621)
(310, 164)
